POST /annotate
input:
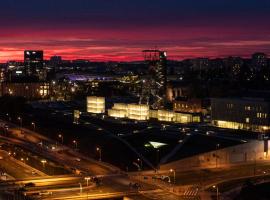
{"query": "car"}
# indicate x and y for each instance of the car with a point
(78, 159)
(42, 193)
(209, 132)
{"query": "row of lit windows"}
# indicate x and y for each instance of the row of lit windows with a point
(249, 108)
(229, 105)
(262, 115)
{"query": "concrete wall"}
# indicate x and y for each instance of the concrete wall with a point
(224, 157)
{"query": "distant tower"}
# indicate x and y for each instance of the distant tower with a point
(154, 88)
(33, 60)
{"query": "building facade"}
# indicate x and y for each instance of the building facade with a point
(95, 104)
(188, 105)
(33, 90)
(243, 113)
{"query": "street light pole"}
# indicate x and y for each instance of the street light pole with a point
(217, 146)
(61, 137)
(80, 188)
(43, 163)
(157, 157)
(217, 192)
(99, 150)
(34, 126)
(20, 120)
(255, 162)
(174, 181)
(75, 143)
(87, 180)
(141, 164)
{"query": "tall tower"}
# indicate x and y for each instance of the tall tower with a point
(33, 60)
(155, 85)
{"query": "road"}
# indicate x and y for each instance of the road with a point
(114, 183)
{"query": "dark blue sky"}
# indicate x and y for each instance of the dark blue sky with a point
(88, 28)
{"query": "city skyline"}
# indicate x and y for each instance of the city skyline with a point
(116, 31)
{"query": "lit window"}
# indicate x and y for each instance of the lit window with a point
(247, 120)
(247, 108)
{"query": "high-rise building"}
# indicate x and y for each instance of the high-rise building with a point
(259, 61)
(157, 82)
(55, 60)
(33, 60)
(33, 56)
(233, 65)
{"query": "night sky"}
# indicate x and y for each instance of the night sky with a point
(121, 29)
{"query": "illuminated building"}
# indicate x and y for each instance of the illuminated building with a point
(164, 115)
(185, 118)
(259, 61)
(27, 90)
(170, 116)
(243, 113)
(233, 64)
(154, 87)
(95, 104)
(131, 111)
(187, 105)
(119, 110)
(33, 56)
(177, 89)
(2, 75)
(138, 111)
(143, 112)
(33, 60)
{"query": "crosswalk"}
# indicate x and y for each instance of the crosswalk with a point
(160, 195)
(192, 193)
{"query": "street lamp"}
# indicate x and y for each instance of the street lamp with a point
(34, 126)
(61, 137)
(100, 151)
(173, 171)
(75, 143)
(9, 118)
(217, 146)
(43, 162)
(216, 187)
(80, 188)
(87, 180)
(141, 163)
(20, 120)
(157, 160)
(255, 162)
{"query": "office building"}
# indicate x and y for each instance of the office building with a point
(155, 85)
(34, 63)
(241, 113)
(187, 105)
